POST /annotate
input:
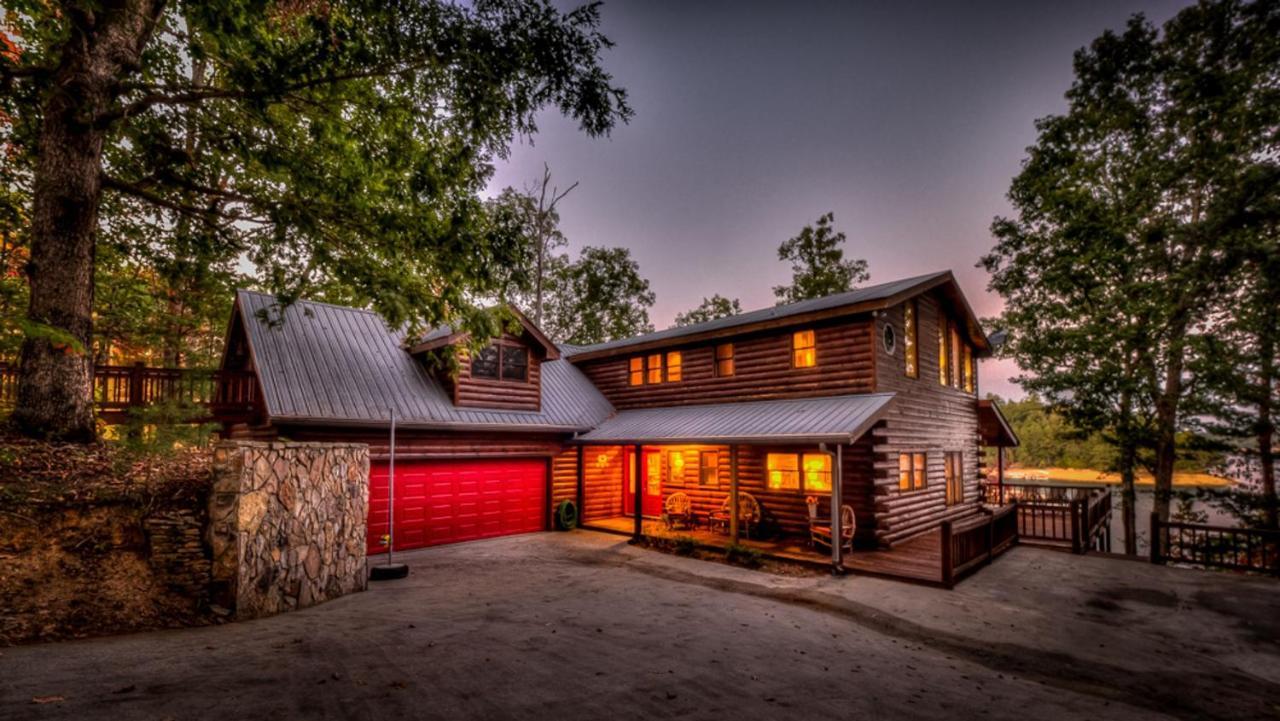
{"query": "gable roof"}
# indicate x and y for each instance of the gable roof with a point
(860, 300)
(832, 419)
(343, 366)
(444, 335)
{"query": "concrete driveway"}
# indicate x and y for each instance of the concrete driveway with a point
(581, 625)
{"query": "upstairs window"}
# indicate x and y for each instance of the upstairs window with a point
(956, 359)
(912, 474)
(953, 471)
(943, 374)
(675, 362)
(969, 370)
(724, 360)
(635, 372)
(910, 346)
(653, 365)
(484, 364)
(515, 363)
(804, 350)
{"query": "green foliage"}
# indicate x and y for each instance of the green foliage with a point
(597, 298)
(745, 556)
(684, 546)
(818, 267)
(161, 429)
(337, 148)
(717, 306)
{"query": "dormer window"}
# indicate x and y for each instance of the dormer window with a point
(501, 362)
(804, 349)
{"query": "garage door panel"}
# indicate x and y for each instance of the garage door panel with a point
(451, 501)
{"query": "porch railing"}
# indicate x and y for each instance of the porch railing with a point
(969, 545)
(1074, 517)
(227, 395)
(1239, 549)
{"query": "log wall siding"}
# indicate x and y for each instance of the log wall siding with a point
(471, 392)
(762, 369)
(926, 416)
(564, 480)
(601, 483)
(435, 445)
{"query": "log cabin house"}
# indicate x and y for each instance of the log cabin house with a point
(867, 398)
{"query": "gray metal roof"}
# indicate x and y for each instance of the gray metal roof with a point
(836, 419)
(343, 366)
(861, 295)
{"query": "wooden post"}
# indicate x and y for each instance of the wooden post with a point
(945, 532)
(1000, 471)
(733, 495)
(639, 494)
(582, 482)
(1075, 526)
(1156, 556)
(837, 480)
(135, 385)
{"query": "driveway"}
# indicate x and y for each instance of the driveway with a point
(581, 625)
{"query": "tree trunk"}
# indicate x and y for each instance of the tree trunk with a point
(1167, 403)
(1128, 465)
(55, 381)
(1266, 423)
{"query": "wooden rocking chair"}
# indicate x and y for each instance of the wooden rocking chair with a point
(748, 515)
(820, 531)
(677, 511)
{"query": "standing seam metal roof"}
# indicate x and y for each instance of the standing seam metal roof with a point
(327, 363)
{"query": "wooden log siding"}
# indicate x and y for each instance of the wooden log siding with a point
(762, 369)
(564, 480)
(434, 445)
(926, 416)
(601, 483)
(471, 392)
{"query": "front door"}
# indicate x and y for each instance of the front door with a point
(651, 472)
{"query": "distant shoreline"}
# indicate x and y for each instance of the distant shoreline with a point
(1088, 475)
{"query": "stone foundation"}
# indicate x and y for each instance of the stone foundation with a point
(287, 524)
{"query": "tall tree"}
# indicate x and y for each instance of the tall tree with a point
(717, 306)
(599, 297)
(1117, 252)
(345, 146)
(534, 215)
(818, 267)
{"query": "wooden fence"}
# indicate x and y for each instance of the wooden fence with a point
(1239, 549)
(228, 395)
(969, 545)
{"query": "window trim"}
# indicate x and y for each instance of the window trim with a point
(635, 371)
(500, 349)
(801, 488)
(718, 359)
(918, 472)
(502, 363)
(668, 366)
(953, 476)
(703, 467)
(650, 371)
(671, 468)
(497, 363)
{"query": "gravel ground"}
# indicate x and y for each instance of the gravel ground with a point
(581, 625)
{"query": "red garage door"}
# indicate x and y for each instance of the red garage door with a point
(451, 501)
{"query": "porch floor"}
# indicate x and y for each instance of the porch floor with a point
(917, 559)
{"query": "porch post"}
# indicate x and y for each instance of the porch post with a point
(837, 493)
(1000, 471)
(581, 480)
(733, 495)
(638, 531)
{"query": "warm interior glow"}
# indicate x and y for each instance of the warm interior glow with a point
(653, 473)
(783, 471)
(602, 460)
(654, 364)
(724, 360)
(674, 363)
(909, 345)
(804, 353)
(675, 459)
(942, 349)
(817, 473)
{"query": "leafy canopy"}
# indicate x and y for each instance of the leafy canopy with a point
(818, 266)
(597, 298)
(717, 306)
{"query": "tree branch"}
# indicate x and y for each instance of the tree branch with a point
(138, 191)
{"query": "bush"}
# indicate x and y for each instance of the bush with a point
(684, 546)
(740, 555)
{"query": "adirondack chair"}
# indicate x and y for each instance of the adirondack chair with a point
(748, 515)
(820, 530)
(677, 511)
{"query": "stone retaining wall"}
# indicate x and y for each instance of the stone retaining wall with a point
(177, 551)
(287, 524)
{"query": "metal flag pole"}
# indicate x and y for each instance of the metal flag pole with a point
(389, 570)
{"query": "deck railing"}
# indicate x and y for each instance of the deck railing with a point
(1074, 517)
(968, 545)
(1239, 549)
(227, 395)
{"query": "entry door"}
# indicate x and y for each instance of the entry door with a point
(651, 472)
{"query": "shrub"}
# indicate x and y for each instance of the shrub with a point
(740, 555)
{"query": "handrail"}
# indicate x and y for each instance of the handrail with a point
(1201, 544)
(968, 544)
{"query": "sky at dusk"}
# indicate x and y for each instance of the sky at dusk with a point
(905, 119)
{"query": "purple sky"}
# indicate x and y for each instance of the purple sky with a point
(908, 120)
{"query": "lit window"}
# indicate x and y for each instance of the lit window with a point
(654, 366)
(674, 361)
(953, 472)
(636, 371)
(804, 352)
(943, 375)
(675, 464)
(911, 471)
(783, 471)
(653, 473)
(724, 360)
(817, 473)
(909, 346)
(956, 361)
(485, 363)
(709, 468)
(969, 369)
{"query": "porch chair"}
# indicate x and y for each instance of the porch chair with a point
(677, 511)
(820, 530)
(748, 514)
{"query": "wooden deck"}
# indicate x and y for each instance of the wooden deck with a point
(918, 560)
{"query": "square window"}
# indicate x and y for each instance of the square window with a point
(515, 363)
(485, 363)
(709, 468)
(817, 473)
(783, 471)
(911, 472)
